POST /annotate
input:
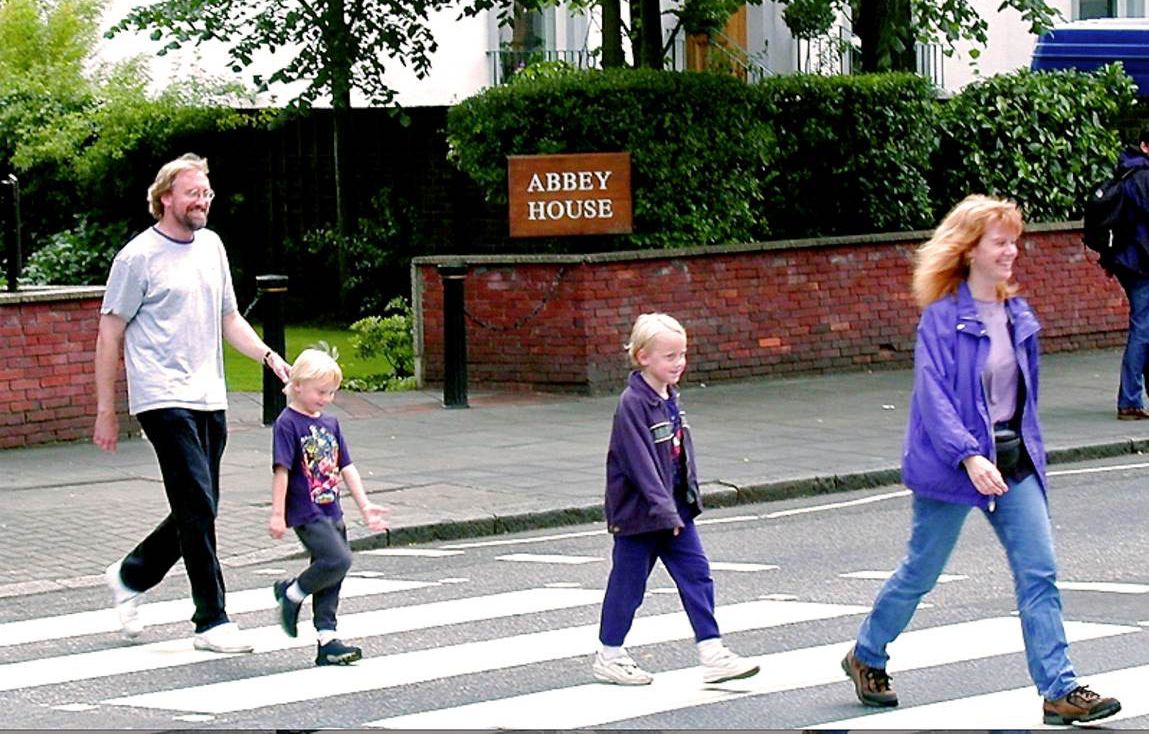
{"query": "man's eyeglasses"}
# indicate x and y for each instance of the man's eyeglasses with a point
(197, 194)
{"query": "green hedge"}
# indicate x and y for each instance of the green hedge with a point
(854, 153)
(716, 160)
(1042, 138)
(698, 148)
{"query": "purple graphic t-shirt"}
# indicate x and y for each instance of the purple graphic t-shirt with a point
(314, 452)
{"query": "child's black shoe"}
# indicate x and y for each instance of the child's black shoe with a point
(337, 653)
(288, 609)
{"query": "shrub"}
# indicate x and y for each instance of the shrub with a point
(391, 336)
(81, 255)
(377, 254)
(854, 153)
(1042, 138)
(699, 153)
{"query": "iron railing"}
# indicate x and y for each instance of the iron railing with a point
(504, 63)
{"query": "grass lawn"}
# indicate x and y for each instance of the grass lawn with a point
(245, 375)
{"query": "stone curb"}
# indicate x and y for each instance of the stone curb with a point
(715, 494)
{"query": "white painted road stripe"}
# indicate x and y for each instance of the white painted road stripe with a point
(598, 704)
(173, 653)
(544, 558)
(411, 552)
(1019, 708)
(1106, 586)
(176, 610)
(462, 659)
(741, 567)
(1094, 470)
(837, 505)
(534, 539)
(944, 578)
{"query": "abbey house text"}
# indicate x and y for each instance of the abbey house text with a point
(572, 194)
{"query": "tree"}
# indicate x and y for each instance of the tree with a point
(337, 46)
(71, 129)
(888, 28)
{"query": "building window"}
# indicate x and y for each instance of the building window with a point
(1087, 9)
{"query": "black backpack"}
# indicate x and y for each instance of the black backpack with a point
(1104, 217)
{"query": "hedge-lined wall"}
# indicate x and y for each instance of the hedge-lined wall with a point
(718, 161)
(560, 322)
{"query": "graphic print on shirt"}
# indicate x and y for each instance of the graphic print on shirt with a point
(321, 464)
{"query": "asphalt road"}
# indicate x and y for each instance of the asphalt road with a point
(499, 632)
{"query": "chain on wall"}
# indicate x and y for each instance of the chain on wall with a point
(552, 289)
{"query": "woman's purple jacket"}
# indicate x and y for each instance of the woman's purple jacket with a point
(640, 467)
(949, 412)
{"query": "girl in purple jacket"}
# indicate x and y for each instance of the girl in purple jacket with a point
(652, 499)
(973, 440)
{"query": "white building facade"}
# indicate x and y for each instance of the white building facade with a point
(475, 53)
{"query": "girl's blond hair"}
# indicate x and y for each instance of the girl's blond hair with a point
(942, 263)
(314, 364)
(167, 176)
(646, 328)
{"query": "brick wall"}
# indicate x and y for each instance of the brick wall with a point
(47, 351)
(560, 322)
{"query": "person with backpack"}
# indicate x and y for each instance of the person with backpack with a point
(1129, 263)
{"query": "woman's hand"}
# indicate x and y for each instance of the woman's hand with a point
(985, 476)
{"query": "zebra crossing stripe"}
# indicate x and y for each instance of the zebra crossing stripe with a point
(597, 704)
(1104, 586)
(1019, 708)
(177, 610)
(174, 653)
(462, 659)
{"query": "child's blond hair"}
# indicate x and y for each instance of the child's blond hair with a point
(314, 364)
(646, 328)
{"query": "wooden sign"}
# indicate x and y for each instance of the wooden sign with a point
(572, 194)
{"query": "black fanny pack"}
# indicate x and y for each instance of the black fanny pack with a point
(1007, 444)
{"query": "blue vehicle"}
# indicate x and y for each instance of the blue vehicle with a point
(1090, 44)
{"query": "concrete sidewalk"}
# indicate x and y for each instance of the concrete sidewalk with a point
(511, 462)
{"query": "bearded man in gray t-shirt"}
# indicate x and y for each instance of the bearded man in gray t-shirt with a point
(168, 306)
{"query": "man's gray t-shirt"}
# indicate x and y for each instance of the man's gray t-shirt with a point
(173, 296)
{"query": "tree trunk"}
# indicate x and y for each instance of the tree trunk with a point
(339, 45)
(650, 34)
(612, 56)
(886, 30)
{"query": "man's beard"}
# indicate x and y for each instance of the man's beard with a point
(193, 220)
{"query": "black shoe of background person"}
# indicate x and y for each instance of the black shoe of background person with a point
(1132, 414)
(288, 609)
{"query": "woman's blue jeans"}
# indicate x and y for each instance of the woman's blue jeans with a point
(1021, 522)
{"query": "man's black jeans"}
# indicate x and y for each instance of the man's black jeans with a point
(189, 445)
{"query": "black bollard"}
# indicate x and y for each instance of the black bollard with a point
(271, 291)
(15, 246)
(454, 337)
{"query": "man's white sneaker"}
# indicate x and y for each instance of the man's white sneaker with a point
(224, 637)
(126, 602)
(621, 670)
(724, 665)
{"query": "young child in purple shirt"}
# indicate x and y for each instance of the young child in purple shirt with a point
(652, 499)
(310, 458)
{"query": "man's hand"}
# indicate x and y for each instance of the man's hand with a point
(107, 431)
(279, 366)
